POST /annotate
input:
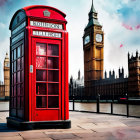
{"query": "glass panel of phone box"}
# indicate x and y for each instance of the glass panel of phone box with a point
(47, 75)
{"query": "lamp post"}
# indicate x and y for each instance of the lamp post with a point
(73, 97)
(127, 105)
(98, 103)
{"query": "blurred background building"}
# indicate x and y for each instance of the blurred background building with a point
(5, 86)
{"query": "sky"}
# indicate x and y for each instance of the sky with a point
(119, 18)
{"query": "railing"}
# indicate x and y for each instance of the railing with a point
(115, 105)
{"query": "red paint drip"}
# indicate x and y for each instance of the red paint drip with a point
(121, 45)
(127, 27)
(138, 27)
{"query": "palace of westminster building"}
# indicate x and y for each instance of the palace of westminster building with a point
(94, 83)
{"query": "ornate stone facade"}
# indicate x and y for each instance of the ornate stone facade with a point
(93, 46)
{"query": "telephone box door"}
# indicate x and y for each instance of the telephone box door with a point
(46, 79)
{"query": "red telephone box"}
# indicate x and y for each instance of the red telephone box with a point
(39, 69)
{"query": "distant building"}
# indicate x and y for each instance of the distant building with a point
(78, 83)
(134, 75)
(93, 46)
(5, 87)
(94, 83)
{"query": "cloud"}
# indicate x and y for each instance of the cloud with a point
(120, 21)
(129, 13)
(2, 2)
(2, 25)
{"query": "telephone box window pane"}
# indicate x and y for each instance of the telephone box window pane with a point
(22, 63)
(22, 102)
(18, 77)
(53, 50)
(12, 55)
(53, 102)
(22, 76)
(41, 89)
(41, 75)
(18, 52)
(22, 89)
(15, 102)
(15, 78)
(18, 89)
(15, 66)
(18, 102)
(41, 62)
(53, 89)
(41, 49)
(14, 90)
(41, 102)
(18, 64)
(22, 49)
(53, 76)
(15, 54)
(53, 63)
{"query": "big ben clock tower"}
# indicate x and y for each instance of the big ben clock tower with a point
(7, 76)
(93, 46)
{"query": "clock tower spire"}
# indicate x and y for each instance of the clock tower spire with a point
(93, 46)
(93, 19)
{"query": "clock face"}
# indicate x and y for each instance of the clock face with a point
(87, 39)
(99, 38)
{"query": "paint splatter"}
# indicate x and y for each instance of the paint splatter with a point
(128, 27)
(137, 27)
(121, 45)
(2, 2)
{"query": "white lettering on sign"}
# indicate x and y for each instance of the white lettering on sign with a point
(19, 27)
(18, 37)
(46, 25)
(47, 34)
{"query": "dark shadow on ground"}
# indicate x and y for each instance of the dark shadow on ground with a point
(4, 128)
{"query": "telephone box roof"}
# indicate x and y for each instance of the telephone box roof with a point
(41, 7)
(37, 11)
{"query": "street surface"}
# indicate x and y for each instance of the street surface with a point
(85, 126)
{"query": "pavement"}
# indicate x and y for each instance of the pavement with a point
(85, 126)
